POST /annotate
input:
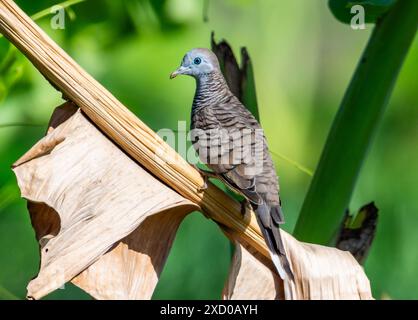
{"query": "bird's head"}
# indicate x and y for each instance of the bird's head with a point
(197, 63)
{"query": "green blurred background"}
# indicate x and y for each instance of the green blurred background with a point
(303, 59)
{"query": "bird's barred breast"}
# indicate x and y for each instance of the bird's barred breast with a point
(225, 140)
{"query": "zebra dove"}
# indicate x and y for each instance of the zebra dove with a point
(230, 141)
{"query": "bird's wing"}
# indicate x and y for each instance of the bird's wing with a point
(229, 145)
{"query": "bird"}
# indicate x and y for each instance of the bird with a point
(230, 141)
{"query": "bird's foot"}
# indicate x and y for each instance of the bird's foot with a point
(205, 184)
(245, 207)
(206, 174)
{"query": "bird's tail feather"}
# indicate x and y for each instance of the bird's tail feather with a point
(271, 232)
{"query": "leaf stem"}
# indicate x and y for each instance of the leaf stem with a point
(294, 163)
(6, 294)
(356, 122)
(46, 12)
(20, 124)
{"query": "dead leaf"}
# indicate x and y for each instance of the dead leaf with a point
(251, 277)
(115, 219)
(320, 273)
(240, 79)
(357, 233)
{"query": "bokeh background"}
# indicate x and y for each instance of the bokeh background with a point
(303, 59)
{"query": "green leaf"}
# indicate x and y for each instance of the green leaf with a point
(4, 48)
(373, 9)
(11, 70)
(3, 90)
(8, 194)
(355, 124)
(6, 294)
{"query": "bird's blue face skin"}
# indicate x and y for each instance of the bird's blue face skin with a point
(196, 63)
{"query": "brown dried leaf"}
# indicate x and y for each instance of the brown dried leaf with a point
(131, 270)
(357, 233)
(251, 277)
(107, 218)
(240, 79)
(229, 65)
(320, 273)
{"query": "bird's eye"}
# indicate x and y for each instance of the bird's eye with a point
(197, 60)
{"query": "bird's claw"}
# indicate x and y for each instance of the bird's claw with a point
(205, 185)
(205, 175)
(245, 207)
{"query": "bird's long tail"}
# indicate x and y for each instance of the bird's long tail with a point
(269, 219)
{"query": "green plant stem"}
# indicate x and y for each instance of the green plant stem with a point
(356, 122)
(46, 12)
(6, 294)
(20, 124)
(41, 14)
(294, 163)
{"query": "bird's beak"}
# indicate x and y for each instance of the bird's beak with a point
(180, 70)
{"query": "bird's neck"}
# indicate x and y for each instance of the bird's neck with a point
(210, 89)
